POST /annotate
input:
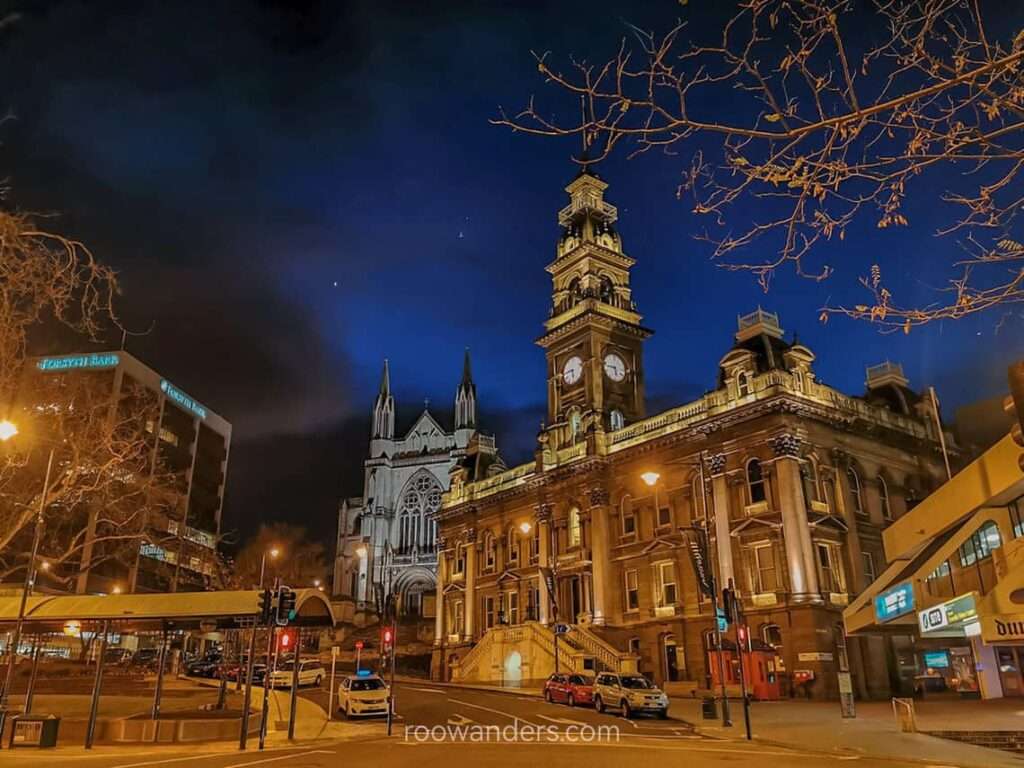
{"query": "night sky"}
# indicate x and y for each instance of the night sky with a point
(294, 191)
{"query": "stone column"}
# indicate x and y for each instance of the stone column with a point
(600, 553)
(542, 520)
(442, 575)
(796, 534)
(720, 500)
(844, 509)
(470, 601)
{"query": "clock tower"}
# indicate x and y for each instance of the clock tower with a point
(593, 339)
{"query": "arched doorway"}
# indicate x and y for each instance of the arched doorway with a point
(416, 589)
(513, 668)
(674, 662)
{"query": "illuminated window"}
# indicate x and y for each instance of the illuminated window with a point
(665, 578)
(575, 529)
(618, 421)
(490, 551)
(628, 516)
(632, 593)
(830, 570)
(743, 383)
(512, 546)
(575, 419)
(763, 574)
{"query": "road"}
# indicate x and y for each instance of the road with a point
(451, 728)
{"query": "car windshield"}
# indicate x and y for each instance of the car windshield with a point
(579, 680)
(372, 684)
(636, 682)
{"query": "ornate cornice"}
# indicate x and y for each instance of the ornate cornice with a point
(716, 463)
(470, 535)
(786, 445)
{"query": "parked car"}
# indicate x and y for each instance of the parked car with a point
(311, 672)
(146, 657)
(117, 656)
(630, 693)
(207, 666)
(569, 689)
(363, 695)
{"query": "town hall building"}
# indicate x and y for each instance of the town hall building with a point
(790, 482)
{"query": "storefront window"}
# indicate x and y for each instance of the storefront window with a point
(981, 544)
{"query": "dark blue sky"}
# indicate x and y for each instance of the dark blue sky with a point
(293, 191)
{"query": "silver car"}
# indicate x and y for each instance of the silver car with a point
(630, 693)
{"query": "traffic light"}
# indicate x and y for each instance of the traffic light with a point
(285, 606)
(1015, 404)
(387, 637)
(286, 641)
(266, 606)
(729, 605)
(741, 635)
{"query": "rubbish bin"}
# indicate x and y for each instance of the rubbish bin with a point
(906, 718)
(709, 708)
(34, 731)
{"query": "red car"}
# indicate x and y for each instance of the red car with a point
(569, 689)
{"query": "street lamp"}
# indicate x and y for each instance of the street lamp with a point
(651, 478)
(361, 551)
(8, 430)
(525, 526)
(116, 590)
(273, 552)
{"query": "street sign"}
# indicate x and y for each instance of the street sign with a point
(723, 623)
(561, 629)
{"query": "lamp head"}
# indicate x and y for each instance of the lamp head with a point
(650, 478)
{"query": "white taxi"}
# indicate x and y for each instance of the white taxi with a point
(363, 694)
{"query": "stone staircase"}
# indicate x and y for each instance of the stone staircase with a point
(580, 651)
(1008, 741)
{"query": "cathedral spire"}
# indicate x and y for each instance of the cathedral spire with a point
(384, 409)
(465, 397)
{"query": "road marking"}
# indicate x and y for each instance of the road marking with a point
(165, 761)
(561, 720)
(423, 690)
(458, 720)
(282, 757)
(488, 709)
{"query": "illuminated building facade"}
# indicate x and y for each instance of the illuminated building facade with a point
(187, 445)
(792, 481)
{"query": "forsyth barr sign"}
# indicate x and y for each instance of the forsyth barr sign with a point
(77, 362)
(186, 402)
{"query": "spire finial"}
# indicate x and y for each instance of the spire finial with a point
(385, 379)
(467, 372)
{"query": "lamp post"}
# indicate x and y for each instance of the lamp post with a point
(273, 552)
(7, 431)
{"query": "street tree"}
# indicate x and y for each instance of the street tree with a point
(801, 120)
(300, 561)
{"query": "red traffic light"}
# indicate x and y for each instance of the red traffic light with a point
(286, 640)
(359, 645)
(387, 637)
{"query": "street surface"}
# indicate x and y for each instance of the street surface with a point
(438, 726)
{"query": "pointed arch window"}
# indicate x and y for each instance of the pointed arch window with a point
(883, 498)
(755, 482)
(417, 525)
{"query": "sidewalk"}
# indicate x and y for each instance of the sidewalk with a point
(819, 726)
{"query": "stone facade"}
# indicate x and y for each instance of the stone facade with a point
(791, 480)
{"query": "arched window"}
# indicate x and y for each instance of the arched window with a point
(772, 635)
(575, 529)
(574, 423)
(512, 546)
(607, 291)
(460, 558)
(812, 486)
(883, 498)
(574, 291)
(743, 384)
(755, 482)
(490, 552)
(855, 492)
(618, 421)
(421, 500)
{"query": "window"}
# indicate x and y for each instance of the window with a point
(940, 571)
(532, 601)
(755, 481)
(628, 516)
(700, 504)
(459, 619)
(634, 646)
(488, 612)
(830, 571)
(883, 498)
(664, 514)
(1016, 511)
(764, 575)
(574, 423)
(632, 590)
(981, 544)
(512, 544)
(535, 544)
(855, 492)
(512, 601)
(812, 487)
(618, 421)
(869, 567)
(460, 558)
(575, 530)
(490, 552)
(742, 384)
(666, 580)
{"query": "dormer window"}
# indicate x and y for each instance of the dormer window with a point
(742, 384)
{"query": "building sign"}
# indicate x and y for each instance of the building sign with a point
(935, 659)
(814, 657)
(78, 362)
(1002, 627)
(894, 602)
(699, 558)
(186, 402)
(202, 538)
(949, 614)
(153, 551)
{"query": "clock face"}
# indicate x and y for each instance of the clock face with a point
(614, 367)
(572, 370)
